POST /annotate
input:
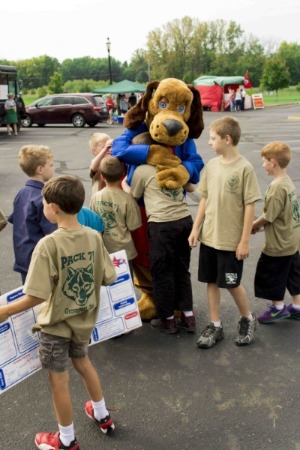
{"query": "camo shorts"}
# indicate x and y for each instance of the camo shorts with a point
(55, 352)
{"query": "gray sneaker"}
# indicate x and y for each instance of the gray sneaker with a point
(246, 331)
(210, 336)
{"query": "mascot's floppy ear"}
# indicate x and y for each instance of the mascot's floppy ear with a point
(195, 122)
(137, 113)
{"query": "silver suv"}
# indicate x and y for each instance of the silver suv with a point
(78, 109)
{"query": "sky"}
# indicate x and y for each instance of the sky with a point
(75, 28)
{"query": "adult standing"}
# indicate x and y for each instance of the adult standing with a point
(132, 100)
(243, 94)
(11, 114)
(238, 100)
(21, 110)
(110, 106)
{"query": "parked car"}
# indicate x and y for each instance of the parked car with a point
(78, 109)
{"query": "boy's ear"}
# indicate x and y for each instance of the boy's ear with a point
(54, 208)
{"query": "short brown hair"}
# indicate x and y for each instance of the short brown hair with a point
(279, 151)
(111, 169)
(33, 156)
(66, 191)
(227, 126)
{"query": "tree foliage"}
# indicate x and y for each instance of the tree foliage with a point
(183, 48)
(290, 54)
(56, 84)
(275, 75)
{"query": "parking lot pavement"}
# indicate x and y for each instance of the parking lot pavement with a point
(163, 391)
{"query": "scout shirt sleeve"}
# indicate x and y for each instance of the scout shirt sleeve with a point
(202, 187)
(109, 275)
(251, 187)
(42, 272)
(274, 203)
(138, 184)
(133, 216)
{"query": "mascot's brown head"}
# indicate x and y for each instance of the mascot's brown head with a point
(172, 111)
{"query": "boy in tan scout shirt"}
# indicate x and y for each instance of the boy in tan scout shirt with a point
(278, 267)
(66, 272)
(228, 189)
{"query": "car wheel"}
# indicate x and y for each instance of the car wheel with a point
(26, 121)
(92, 124)
(78, 120)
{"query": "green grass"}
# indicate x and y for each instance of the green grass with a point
(288, 95)
(28, 99)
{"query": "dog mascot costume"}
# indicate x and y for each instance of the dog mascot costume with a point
(170, 112)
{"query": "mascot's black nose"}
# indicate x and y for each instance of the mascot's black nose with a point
(172, 126)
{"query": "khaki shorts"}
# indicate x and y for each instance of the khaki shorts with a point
(55, 352)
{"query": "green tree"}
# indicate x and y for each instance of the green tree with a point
(290, 54)
(36, 72)
(56, 85)
(90, 68)
(275, 75)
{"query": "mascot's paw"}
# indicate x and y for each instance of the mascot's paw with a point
(159, 154)
(146, 307)
(172, 178)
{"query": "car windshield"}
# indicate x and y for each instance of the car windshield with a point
(43, 102)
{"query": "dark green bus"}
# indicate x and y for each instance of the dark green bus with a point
(8, 83)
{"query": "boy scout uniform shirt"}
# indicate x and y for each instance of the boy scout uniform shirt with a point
(228, 188)
(67, 269)
(121, 215)
(282, 211)
(162, 204)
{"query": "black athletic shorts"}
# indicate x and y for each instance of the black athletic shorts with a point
(220, 267)
(275, 274)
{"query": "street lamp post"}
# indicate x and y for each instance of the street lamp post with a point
(108, 44)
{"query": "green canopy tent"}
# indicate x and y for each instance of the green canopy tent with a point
(123, 87)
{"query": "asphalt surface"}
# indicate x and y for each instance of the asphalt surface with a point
(163, 391)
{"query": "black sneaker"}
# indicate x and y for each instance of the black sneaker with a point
(210, 336)
(246, 331)
(168, 326)
(187, 323)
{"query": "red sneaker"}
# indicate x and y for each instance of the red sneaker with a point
(51, 441)
(106, 425)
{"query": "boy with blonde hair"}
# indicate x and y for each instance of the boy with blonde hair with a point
(278, 267)
(65, 275)
(27, 218)
(100, 145)
(228, 189)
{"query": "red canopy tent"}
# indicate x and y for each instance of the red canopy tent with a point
(213, 90)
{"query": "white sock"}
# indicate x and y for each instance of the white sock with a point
(170, 318)
(66, 434)
(100, 410)
(217, 324)
(188, 313)
(296, 306)
(279, 307)
(250, 317)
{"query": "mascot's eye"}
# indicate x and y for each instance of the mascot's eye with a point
(181, 109)
(163, 105)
